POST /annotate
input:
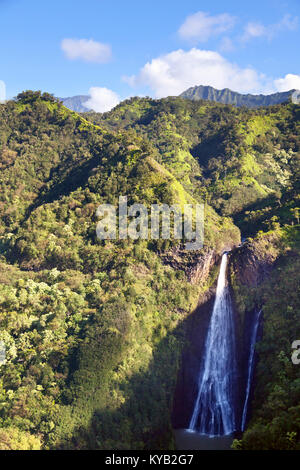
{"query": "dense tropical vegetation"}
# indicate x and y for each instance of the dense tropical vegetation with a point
(94, 330)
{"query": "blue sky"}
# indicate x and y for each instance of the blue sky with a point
(115, 49)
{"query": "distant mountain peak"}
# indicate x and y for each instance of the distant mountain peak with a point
(227, 96)
(201, 92)
(76, 103)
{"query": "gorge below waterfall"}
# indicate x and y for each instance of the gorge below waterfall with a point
(215, 388)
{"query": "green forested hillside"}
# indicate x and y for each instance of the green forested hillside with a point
(84, 321)
(232, 157)
(94, 329)
(275, 420)
(246, 164)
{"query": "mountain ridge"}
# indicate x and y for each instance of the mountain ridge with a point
(227, 96)
(76, 103)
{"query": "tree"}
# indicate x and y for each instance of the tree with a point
(12, 438)
(296, 213)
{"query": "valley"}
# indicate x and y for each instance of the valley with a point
(104, 338)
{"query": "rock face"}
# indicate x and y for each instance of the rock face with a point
(195, 264)
(198, 268)
(199, 272)
(249, 265)
(186, 388)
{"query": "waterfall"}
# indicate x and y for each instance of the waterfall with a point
(250, 367)
(214, 413)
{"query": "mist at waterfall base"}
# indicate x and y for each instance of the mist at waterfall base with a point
(213, 421)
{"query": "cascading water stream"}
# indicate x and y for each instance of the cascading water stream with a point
(250, 368)
(214, 412)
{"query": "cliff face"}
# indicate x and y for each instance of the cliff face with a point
(186, 387)
(265, 273)
(196, 265)
(249, 265)
(199, 272)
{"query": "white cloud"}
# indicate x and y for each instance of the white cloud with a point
(288, 22)
(102, 99)
(86, 49)
(173, 73)
(226, 45)
(201, 26)
(255, 29)
(289, 82)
